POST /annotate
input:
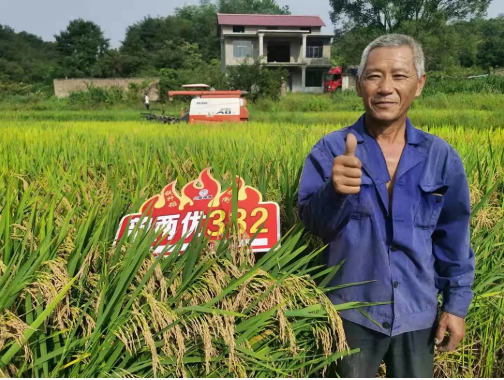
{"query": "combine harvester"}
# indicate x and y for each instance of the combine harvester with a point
(208, 106)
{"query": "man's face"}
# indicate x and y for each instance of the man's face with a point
(389, 83)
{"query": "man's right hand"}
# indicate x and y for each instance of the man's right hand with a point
(347, 169)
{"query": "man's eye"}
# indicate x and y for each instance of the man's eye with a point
(400, 76)
(374, 76)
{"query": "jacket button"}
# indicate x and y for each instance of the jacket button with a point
(396, 284)
(386, 325)
(394, 248)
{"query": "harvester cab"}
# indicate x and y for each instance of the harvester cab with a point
(333, 80)
(212, 106)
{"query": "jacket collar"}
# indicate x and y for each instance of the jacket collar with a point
(413, 136)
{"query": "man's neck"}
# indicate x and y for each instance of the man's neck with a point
(393, 132)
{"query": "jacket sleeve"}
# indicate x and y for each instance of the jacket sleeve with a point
(454, 258)
(321, 208)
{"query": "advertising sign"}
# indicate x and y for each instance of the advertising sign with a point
(177, 216)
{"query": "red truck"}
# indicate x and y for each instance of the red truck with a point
(333, 79)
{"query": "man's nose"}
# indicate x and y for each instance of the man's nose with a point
(386, 86)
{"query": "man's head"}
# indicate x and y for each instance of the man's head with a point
(391, 75)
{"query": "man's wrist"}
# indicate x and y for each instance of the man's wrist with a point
(456, 302)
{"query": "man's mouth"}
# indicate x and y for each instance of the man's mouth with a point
(384, 104)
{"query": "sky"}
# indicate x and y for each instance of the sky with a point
(48, 17)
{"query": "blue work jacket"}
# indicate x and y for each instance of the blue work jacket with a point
(412, 250)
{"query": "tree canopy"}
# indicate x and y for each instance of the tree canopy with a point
(390, 15)
(81, 45)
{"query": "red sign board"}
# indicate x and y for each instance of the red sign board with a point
(178, 216)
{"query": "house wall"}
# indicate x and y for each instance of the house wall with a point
(296, 81)
(314, 90)
(63, 87)
(349, 83)
(297, 55)
(230, 59)
(326, 55)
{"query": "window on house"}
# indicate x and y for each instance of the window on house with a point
(242, 49)
(313, 78)
(314, 51)
(315, 48)
(238, 29)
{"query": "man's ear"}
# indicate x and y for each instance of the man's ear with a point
(420, 86)
(358, 87)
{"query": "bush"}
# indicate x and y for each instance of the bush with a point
(95, 96)
(260, 81)
(210, 74)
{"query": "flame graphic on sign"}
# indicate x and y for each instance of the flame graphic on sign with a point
(169, 200)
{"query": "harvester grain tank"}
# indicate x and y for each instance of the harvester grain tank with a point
(212, 106)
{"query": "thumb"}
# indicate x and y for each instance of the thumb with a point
(351, 145)
(440, 334)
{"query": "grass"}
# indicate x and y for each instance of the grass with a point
(66, 184)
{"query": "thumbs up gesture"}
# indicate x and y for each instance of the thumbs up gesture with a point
(347, 169)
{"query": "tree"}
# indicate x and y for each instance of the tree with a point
(110, 65)
(26, 58)
(253, 6)
(202, 19)
(491, 49)
(389, 15)
(82, 44)
(151, 44)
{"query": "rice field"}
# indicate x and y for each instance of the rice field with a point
(71, 304)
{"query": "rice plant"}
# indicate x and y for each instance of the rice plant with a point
(72, 304)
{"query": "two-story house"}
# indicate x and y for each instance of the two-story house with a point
(292, 42)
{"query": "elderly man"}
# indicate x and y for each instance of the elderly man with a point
(392, 201)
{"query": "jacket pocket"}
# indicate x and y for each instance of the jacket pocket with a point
(361, 202)
(430, 205)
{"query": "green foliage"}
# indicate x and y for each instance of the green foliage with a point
(296, 103)
(253, 6)
(348, 47)
(25, 58)
(207, 73)
(389, 15)
(441, 83)
(154, 43)
(491, 48)
(259, 80)
(109, 65)
(81, 45)
(202, 19)
(476, 44)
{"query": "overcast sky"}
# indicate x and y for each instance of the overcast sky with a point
(47, 17)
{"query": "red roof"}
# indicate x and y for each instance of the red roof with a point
(268, 20)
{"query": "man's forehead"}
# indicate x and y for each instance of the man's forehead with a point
(391, 55)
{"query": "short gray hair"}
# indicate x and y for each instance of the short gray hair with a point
(395, 40)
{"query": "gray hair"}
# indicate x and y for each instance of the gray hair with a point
(395, 40)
